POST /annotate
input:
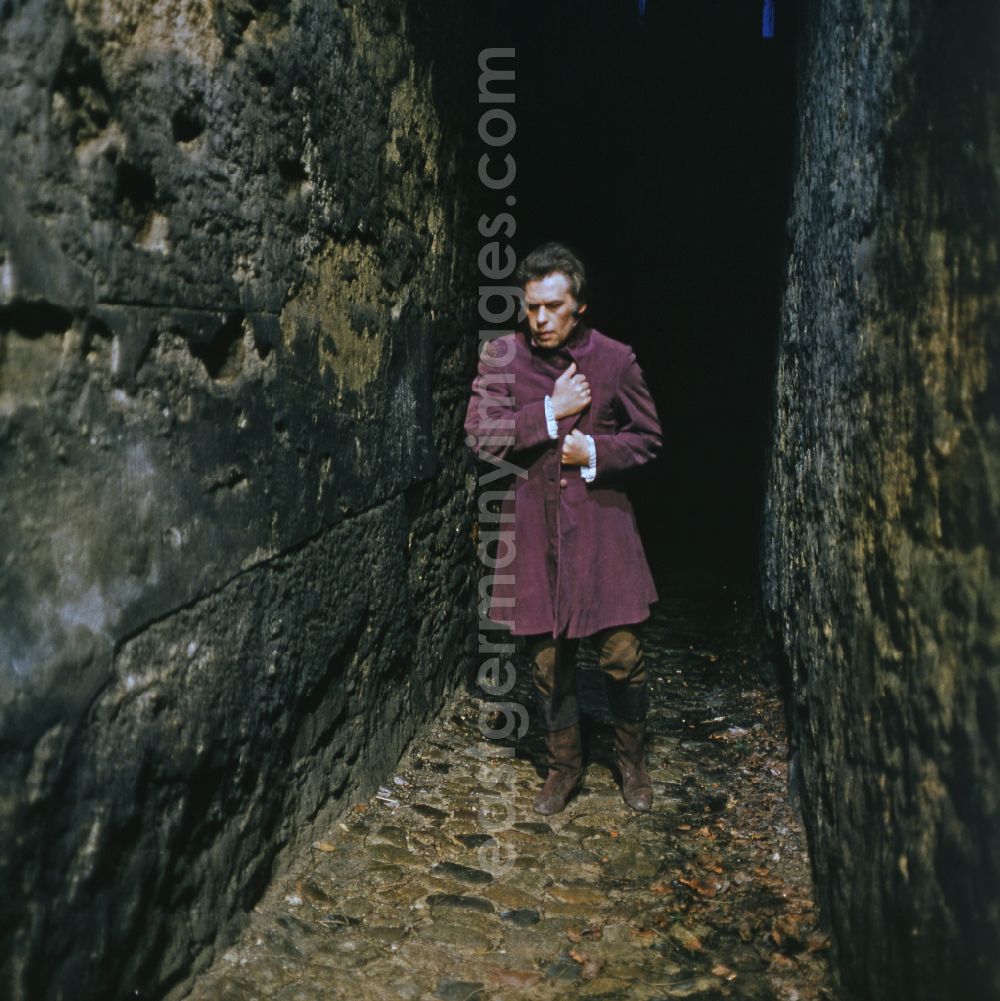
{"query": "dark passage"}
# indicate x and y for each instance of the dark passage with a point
(413, 895)
(660, 147)
(238, 573)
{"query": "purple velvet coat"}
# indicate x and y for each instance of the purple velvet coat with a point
(578, 565)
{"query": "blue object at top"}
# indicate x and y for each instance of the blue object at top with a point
(767, 29)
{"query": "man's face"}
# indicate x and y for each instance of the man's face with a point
(553, 311)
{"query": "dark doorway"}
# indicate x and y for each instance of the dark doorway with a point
(660, 146)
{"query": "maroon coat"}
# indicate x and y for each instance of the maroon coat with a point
(578, 565)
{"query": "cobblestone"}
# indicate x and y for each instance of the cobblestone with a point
(415, 895)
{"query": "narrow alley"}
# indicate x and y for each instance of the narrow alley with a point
(276, 276)
(709, 896)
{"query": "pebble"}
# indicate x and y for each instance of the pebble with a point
(564, 968)
(394, 854)
(430, 812)
(522, 916)
(583, 895)
(464, 873)
(460, 902)
(476, 840)
(453, 933)
(458, 990)
(510, 896)
(532, 827)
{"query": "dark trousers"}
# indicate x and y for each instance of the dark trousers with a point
(553, 670)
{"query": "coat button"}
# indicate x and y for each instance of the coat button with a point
(564, 483)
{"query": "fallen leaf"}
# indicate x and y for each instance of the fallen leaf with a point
(704, 887)
(591, 967)
(786, 931)
(685, 939)
(324, 846)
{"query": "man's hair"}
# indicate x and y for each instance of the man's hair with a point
(551, 257)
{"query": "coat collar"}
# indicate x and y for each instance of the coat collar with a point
(574, 349)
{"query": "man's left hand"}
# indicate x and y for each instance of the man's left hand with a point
(575, 451)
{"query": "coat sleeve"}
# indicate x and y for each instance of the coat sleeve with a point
(638, 437)
(497, 424)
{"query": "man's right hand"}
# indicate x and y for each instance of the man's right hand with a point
(570, 394)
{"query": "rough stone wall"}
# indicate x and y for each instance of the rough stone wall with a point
(233, 336)
(881, 538)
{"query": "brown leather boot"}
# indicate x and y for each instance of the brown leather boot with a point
(630, 753)
(565, 753)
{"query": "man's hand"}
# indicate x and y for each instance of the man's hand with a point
(570, 394)
(575, 451)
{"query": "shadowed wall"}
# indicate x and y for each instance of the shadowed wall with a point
(881, 539)
(233, 348)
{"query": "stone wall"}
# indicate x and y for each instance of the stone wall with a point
(233, 358)
(881, 538)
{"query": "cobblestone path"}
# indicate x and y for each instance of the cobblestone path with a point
(412, 896)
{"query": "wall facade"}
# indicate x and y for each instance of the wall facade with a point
(881, 542)
(234, 330)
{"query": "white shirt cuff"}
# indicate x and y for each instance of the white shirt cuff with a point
(589, 471)
(550, 418)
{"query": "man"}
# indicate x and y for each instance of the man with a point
(569, 407)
